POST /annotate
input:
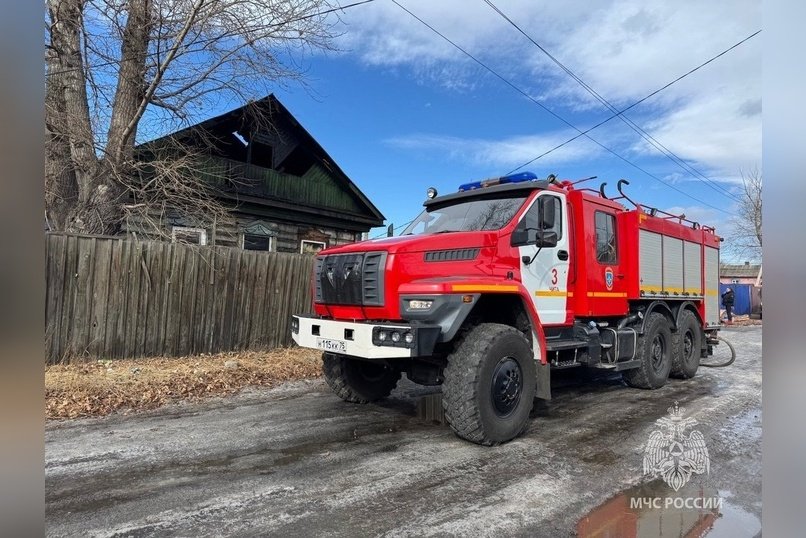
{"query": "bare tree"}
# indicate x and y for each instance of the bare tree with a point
(122, 69)
(745, 239)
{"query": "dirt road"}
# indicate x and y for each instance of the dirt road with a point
(296, 461)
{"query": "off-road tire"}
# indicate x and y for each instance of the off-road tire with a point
(358, 381)
(686, 345)
(487, 352)
(656, 362)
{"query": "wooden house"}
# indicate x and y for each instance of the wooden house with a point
(286, 193)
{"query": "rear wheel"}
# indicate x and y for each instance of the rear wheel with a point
(655, 352)
(489, 384)
(358, 381)
(687, 345)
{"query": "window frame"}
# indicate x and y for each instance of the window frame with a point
(611, 218)
(272, 242)
(303, 241)
(189, 230)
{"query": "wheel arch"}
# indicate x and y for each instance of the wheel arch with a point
(662, 307)
(678, 310)
(510, 309)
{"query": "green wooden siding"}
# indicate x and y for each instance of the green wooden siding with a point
(317, 188)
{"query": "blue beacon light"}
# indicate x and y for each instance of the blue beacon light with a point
(514, 178)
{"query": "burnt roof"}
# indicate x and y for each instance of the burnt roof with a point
(274, 110)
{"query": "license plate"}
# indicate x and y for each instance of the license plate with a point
(331, 345)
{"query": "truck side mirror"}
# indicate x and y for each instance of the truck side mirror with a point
(546, 239)
(525, 236)
(530, 236)
(520, 237)
(547, 213)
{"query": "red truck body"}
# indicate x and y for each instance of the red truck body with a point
(577, 273)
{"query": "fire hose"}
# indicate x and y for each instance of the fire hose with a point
(723, 364)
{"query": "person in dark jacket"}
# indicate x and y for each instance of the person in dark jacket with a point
(727, 300)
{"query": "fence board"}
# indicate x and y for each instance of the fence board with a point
(158, 255)
(83, 307)
(120, 262)
(100, 297)
(56, 267)
(61, 349)
(136, 300)
(256, 336)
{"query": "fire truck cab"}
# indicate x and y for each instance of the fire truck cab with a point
(494, 286)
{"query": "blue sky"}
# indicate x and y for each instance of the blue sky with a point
(400, 110)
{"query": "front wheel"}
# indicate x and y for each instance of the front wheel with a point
(489, 385)
(358, 381)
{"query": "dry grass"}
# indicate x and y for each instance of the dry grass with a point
(102, 387)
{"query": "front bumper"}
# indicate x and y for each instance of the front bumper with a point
(360, 339)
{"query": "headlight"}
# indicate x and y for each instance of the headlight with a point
(404, 337)
(417, 304)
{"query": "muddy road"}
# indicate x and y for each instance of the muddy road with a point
(297, 461)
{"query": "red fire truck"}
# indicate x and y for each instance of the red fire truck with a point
(494, 286)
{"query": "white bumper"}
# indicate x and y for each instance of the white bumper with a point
(329, 335)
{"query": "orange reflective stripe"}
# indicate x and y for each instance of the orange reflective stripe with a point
(479, 288)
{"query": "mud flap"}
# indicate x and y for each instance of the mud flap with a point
(543, 381)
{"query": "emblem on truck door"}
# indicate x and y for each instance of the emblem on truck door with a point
(609, 278)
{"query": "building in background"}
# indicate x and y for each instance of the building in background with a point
(285, 192)
(746, 273)
(745, 280)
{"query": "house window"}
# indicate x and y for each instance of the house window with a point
(193, 236)
(605, 224)
(311, 247)
(257, 242)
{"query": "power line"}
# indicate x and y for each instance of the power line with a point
(652, 94)
(210, 40)
(525, 94)
(635, 127)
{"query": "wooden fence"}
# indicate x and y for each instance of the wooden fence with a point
(116, 298)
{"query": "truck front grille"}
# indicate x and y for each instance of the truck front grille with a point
(351, 279)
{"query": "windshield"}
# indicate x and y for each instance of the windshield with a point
(473, 215)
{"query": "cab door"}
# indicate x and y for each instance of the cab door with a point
(542, 240)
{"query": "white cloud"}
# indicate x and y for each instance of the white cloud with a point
(714, 129)
(508, 152)
(624, 49)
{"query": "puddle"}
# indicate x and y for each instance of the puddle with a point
(654, 510)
